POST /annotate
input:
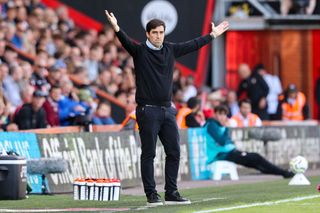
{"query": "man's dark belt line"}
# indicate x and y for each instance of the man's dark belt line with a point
(154, 64)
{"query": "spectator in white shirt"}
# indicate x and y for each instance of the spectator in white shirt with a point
(190, 90)
(275, 89)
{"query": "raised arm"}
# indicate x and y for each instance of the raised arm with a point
(126, 42)
(184, 48)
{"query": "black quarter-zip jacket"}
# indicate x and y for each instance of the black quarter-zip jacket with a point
(154, 68)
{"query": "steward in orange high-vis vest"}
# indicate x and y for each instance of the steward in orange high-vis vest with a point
(293, 105)
(245, 118)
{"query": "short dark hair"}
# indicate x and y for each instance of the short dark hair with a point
(193, 102)
(154, 23)
(244, 101)
(221, 109)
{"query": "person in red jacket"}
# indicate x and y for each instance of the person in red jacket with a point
(51, 106)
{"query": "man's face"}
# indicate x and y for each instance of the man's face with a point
(244, 71)
(55, 94)
(156, 36)
(245, 109)
(221, 117)
(37, 102)
(292, 95)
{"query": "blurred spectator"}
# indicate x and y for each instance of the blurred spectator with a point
(245, 118)
(86, 101)
(232, 103)
(92, 63)
(26, 95)
(177, 99)
(11, 84)
(221, 147)
(54, 75)
(293, 105)
(275, 89)
(27, 71)
(32, 116)
(297, 6)
(2, 49)
(196, 117)
(103, 114)
(51, 106)
(3, 74)
(63, 16)
(82, 74)
(190, 90)
(67, 86)
(74, 59)
(128, 81)
(176, 84)
(254, 87)
(18, 38)
(38, 78)
(10, 57)
(4, 117)
(104, 80)
(71, 112)
(214, 99)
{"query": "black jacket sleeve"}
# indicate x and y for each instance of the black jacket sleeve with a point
(42, 119)
(22, 119)
(264, 86)
(183, 48)
(127, 42)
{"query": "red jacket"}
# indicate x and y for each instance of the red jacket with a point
(52, 113)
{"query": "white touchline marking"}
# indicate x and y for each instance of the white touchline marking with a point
(269, 203)
(207, 199)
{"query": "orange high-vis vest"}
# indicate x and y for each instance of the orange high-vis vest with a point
(181, 117)
(252, 120)
(295, 111)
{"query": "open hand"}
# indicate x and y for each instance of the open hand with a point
(113, 21)
(220, 29)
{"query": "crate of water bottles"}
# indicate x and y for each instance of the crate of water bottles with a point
(96, 189)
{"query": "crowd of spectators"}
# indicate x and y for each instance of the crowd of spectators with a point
(37, 91)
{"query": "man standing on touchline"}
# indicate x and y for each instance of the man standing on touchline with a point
(154, 63)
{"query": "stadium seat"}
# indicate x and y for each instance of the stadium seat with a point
(221, 167)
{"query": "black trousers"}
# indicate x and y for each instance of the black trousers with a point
(255, 161)
(159, 121)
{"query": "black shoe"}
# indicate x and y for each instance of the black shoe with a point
(288, 174)
(174, 198)
(153, 199)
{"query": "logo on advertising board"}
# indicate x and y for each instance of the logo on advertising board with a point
(163, 10)
(103, 155)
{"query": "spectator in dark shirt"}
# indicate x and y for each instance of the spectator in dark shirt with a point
(196, 117)
(32, 116)
(254, 87)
